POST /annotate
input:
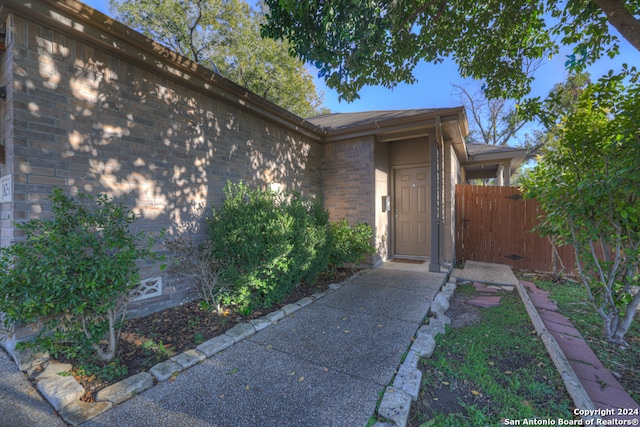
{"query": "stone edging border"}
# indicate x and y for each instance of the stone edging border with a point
(63, 392)
(397, 398)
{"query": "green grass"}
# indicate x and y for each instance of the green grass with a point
(573, 302)
(501, 363)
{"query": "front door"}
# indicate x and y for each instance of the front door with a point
(412, 212)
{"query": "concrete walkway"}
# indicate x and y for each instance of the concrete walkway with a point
(324, 365)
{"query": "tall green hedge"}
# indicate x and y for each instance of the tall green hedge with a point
(267, 243)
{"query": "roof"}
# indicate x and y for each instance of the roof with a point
(395, 125)
(475, 149)
(484, 159)
(336, 121)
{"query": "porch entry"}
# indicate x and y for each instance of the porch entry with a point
(412, 211)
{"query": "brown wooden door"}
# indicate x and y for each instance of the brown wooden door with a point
(412, 211)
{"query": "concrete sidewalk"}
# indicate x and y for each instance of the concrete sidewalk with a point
(324, 365)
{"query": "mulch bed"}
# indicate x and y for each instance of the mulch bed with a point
(148, 340)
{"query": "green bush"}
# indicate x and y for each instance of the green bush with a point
(267, 243)
(73, 274)
(350, 244)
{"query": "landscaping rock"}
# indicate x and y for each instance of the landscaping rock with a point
(275, 316)
(78, 412)
(448, 294)
(438, 324)
(261, 323)
(321, 294)
(428, 330)
(290, 309)
(241, 331)
(424, 345)
(60, 391)
(408, 380)
(28, 360)
(216, 345)
(395, 406)
(125, 389)
(164, 370)
(439, 305)
(304, 301)
(412, 359)
(54, 369)
(189, 358)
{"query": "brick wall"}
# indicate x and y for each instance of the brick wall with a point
(348, 188)
(92, 120)
(6, 138)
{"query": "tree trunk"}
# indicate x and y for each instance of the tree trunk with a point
(625, 323)
(623, 21)
(112, 339)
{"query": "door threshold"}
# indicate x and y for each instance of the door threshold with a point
(409, 260)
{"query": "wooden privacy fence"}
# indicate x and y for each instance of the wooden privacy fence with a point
(494, 224)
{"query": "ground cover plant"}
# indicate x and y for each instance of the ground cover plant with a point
(489, 366)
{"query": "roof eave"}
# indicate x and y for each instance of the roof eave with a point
(407, 127)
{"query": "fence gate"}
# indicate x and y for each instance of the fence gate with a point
(493, 224)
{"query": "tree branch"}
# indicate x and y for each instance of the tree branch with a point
(622, 19)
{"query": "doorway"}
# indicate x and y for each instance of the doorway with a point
(412, 211)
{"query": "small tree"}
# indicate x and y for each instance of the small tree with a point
(73, 274)
(588, 185)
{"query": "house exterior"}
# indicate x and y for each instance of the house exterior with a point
(89, 105)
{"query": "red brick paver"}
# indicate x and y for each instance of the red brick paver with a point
(601, 386)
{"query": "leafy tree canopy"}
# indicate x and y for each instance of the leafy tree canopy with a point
(369, 42)
(587, 183)
(225, 35)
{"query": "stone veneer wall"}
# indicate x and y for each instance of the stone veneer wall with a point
(88, 117)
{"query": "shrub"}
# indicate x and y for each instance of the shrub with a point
(350, 244)
(197, 263)
(73, 274)
(267, 243)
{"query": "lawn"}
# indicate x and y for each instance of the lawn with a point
(486, 371)
(491, 367)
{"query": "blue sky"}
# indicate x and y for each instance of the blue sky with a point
(434, 88)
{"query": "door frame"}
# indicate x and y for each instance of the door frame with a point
(392, 217)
